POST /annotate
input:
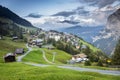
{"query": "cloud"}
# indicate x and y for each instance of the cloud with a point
(34, 15)
(79, 10)
(99, 3)
(64, 13)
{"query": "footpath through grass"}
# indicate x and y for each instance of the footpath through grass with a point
(36, 56)
(61, 57)
(20, 71)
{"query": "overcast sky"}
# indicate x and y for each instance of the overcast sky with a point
(49, 7)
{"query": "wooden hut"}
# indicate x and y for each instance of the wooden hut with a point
(19, 51)
(10, 57)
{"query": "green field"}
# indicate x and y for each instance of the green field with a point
(60, 57)
(37, 56)
(20, 71)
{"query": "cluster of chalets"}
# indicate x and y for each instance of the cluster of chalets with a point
(11, 57)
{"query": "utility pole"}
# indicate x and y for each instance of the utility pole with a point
(54, 53)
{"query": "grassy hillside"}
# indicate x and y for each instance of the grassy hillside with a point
(19, 71)
(94, 49)
(60, 57)
(7, 46)
(34, 56)
(37, 56)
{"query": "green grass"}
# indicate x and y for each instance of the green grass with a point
(7, 46)
(60, 57)
(20, 71)
(101, 68)
(95, 67)
(36, 56)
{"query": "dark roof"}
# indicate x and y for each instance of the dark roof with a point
(14, 37)
(9, 54)
(19, 51)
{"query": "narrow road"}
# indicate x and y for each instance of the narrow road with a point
(34, 64)
(44, 57)
(19, 58)
(110, 72)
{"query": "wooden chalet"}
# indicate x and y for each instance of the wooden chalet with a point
(19, 51)
(10, 57)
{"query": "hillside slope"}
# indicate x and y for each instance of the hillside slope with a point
(9, 46)
(36, 56)
(6, 13)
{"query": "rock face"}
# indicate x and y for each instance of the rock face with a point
(113, 24)
(110, 35)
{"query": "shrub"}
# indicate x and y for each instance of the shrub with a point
(87, 63)
(99, 63)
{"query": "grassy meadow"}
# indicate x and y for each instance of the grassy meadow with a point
(36, 56)
(20, 71)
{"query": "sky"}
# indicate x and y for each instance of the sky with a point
(49, 7)
(91, 12)
(44, 7)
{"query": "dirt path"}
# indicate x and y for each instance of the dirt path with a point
(43, 52)
(19, 58)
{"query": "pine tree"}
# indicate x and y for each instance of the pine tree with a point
(116, 55)
(20, 35)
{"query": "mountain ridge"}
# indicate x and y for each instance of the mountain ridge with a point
(6, 13)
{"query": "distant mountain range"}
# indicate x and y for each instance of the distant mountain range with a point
(8, 14)
(86, 32)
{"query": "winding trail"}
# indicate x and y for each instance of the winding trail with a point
(19, 58)
(45, 57)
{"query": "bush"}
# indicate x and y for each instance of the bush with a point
(99, 63)
(87, 63)
(25, 39)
